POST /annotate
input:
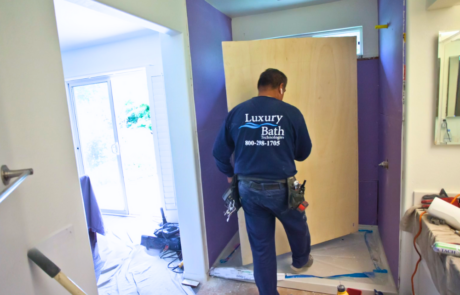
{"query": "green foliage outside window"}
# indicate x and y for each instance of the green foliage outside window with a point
(138, 116)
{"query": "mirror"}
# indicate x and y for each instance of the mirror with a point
(448, 112)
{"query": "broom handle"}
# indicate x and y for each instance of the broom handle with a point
(68, 284)
(54, 271)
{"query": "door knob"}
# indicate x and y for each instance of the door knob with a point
(384, 164)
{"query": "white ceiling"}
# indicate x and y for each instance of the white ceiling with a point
(234, 8)
(80, 27)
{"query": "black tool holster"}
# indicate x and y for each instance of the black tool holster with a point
(295, 196)
(231, 197)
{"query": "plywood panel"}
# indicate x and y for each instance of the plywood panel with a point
(322, 83)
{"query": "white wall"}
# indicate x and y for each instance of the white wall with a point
(426, 167)
(115, 56)
(329, 16)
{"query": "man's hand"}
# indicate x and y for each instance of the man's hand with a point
(229, 179)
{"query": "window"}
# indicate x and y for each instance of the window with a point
(345, 32)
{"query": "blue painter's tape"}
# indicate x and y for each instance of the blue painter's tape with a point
(380, 270)
(369, 231)
(228, 257)
(351, 275)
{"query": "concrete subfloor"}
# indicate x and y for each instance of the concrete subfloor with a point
(229, 287)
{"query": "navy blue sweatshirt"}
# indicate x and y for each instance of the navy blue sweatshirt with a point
(267, 135)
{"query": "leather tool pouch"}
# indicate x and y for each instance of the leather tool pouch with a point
(295, 196)
(231, 198)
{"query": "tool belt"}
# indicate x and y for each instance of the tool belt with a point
(296, 192)
(296, 195)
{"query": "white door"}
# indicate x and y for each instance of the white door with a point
(35, 133)
(118, 144)
(98, 146)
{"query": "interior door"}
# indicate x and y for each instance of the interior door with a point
(98, 147)
(35, 133)
(322, 83)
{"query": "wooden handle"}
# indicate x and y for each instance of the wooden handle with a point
(67, 283)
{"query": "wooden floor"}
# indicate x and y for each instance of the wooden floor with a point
(228, 287)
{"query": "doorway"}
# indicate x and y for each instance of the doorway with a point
(117, 103)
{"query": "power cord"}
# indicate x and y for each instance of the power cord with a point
(175, 255)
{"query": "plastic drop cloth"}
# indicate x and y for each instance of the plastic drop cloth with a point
(130, 269)
(355, 257)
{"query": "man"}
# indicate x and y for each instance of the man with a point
(267, 135)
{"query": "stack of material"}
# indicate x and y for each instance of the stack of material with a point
(445, 270)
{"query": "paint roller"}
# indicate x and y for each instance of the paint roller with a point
(54, 271)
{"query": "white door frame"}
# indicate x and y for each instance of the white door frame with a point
(177, 72)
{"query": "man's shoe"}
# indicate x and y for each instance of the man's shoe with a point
(305, 267)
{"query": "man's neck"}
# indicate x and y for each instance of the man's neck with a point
(269, 94)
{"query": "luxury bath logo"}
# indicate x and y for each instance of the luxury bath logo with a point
(267, 132)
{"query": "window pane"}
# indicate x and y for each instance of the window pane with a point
(132, 109)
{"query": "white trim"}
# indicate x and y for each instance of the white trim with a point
(184, 146)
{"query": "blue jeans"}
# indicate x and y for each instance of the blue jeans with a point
(261, 207)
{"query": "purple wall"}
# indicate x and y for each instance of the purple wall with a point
(208, 28)
(390, 127)
(368, 113)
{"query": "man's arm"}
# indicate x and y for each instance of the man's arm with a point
(223, 150)
(303, 144)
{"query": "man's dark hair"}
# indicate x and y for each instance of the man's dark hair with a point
(272, 78)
